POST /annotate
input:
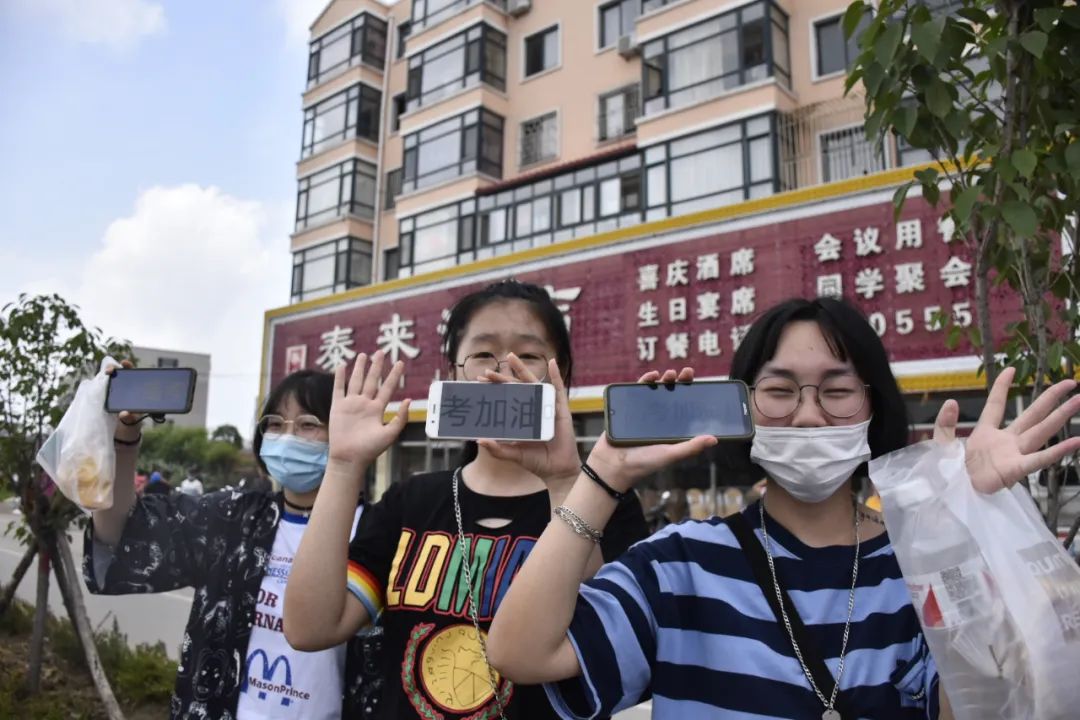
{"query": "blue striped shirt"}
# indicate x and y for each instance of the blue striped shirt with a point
(679, 618)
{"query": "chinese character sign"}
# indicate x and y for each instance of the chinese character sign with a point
(665, 305)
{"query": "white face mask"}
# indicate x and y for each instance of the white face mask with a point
(811, 463)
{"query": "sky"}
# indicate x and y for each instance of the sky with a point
(147, 170)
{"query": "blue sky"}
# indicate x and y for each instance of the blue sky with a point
(148, 169)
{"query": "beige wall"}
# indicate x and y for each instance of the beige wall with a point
(333, 230)
(572, 89)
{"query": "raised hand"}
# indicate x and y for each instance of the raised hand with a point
(358, 434)
(999, 457)
(555, 460)
(621, 467)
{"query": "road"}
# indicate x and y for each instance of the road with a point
(143, 618)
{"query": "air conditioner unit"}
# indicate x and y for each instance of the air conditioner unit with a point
(628, 46)
(518, 8)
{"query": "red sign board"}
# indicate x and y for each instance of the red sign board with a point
(664, 303)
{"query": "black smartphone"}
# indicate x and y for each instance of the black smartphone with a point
(649, 414)
(156, 391)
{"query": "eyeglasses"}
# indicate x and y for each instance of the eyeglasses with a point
(305, 426)
(477, 364)
(840, 397)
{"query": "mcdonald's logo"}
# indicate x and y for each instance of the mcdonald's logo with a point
(268, 671)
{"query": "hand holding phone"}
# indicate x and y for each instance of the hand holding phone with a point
(664, 413)
(151, 391)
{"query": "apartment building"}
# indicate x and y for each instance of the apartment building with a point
(666, 168)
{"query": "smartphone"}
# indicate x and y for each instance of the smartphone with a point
(156, 391)
(496, 411)
(649, 414)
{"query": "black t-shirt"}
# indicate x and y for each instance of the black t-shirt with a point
(405, 558)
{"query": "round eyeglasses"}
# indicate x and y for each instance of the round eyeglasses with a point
(477, 364)
(840, 397)
(305, 426)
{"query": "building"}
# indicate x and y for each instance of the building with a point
(667, 169)
(156, 358)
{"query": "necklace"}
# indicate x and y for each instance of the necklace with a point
(472, 600)
(303, 509)
(829, 703)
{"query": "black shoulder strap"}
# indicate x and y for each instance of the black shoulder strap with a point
(755, 554)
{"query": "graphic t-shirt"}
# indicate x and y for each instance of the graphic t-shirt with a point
(280, 682)
(405, 561)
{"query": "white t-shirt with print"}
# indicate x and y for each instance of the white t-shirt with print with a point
(280, 682)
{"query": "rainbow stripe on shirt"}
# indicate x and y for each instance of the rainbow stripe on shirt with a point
(361, 583)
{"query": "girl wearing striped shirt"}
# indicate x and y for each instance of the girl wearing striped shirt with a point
(683, 618)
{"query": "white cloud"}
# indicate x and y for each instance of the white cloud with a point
(193, 269)
(119, 24)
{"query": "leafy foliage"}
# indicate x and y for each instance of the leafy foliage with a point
(991, 88)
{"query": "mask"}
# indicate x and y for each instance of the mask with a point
(298, 464)
(811, 463)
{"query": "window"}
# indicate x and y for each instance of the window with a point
(391, 265)
(618, 112)
(650, 5)
(331, 267)
(718, 167)
(404, 30)
(363, 39)
(350, 113)
(464, 144)
(848, 153)
(436, 239)
(710, 58)
(344, 189)
(397, 111)
(617, 19)
(166, 362)
(541, 51)
(465, 60)
(393, 188)
(835, 53)
(426, 13)
(539, 139)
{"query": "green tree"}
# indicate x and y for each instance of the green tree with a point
(228, 434)
(992, 89)
(45, 350)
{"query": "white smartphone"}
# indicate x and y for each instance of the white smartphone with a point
(495, 411)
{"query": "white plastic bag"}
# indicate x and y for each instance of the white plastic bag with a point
(79, 455)
(1026, 585)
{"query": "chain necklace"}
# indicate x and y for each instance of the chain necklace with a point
(829, 703)
(472, 600)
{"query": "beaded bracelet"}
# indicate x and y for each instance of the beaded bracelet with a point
(578, 525)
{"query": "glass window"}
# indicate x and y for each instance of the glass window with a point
(436, 239)
(717, 55)
(331, 267)
(834, 52)
(426, 13)
(397, 111)
(610, 199)
(347, 188)
(848, 153)
(404, 29)
(165, 362)
(539, 139)
(570, 207)
(541, 51)
(464, 60)
(362, 39)
(618, 112)
(350, 113)
(451, 148)
(617, 19)
(393, 188)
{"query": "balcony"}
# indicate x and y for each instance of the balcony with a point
(429, 16)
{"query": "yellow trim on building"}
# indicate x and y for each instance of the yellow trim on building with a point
(779, 201)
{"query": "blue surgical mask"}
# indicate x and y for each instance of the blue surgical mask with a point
(298, 464)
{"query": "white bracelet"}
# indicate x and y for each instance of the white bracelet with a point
(579, 526)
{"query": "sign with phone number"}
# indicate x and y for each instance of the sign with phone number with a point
(690, 302)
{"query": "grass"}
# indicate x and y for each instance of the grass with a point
(142, 677)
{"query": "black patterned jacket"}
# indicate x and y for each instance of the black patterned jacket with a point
(219, 544)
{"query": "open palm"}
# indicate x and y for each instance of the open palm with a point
(998, 457)
(358, 433)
